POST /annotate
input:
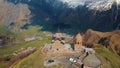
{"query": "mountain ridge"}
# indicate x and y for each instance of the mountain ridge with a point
(46, 12)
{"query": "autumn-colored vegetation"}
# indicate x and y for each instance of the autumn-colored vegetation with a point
(108, 39)
(21, 56)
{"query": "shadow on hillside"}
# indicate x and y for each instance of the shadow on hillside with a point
(69, 20)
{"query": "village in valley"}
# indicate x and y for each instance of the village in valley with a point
(71, 54)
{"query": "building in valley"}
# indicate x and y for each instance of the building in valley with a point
(59, 45)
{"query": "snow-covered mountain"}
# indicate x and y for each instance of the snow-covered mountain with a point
(100, 15)
(91, 4)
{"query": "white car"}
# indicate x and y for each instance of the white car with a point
(72, 60)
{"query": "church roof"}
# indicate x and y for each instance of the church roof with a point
(58, 35)
(78, 36)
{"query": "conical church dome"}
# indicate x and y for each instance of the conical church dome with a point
(78, 38)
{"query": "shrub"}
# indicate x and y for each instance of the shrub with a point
(7, 58)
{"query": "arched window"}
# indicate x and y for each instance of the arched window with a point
(57, 49)
(78, 42)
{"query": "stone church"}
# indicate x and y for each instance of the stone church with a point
(59, 44)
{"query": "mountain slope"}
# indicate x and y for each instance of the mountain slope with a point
(108, 39)
(108, 59)
(13, 15)
(80, 18)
